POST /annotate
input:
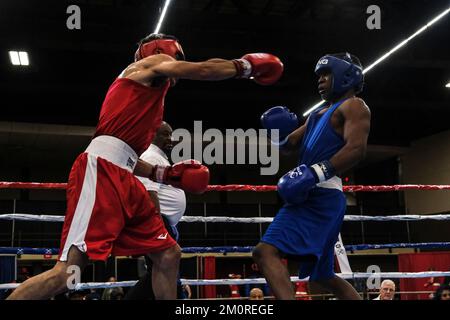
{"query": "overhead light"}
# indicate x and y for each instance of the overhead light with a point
(447, 85)
(14, 57)
(19, 58)
(388, 53)
(23, 57)
(162, 16)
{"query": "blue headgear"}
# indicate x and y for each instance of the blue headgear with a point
(346, 74)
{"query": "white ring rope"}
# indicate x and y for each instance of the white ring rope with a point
(217, 219)
(205, 282)
(31, 217)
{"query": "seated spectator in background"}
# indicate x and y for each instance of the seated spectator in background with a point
(431, 285)
(186, 292)
(108, 291)
(116, 294)
(234, 288)
(93, 295)
(78, 295)
(443, 293)
(256, 294)
(301, 291)
(255, 273)
(387, 290)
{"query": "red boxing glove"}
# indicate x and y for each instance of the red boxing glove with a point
(265, 68)
(189, 175)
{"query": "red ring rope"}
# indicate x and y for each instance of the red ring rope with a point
(240, 187)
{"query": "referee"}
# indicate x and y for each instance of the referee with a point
(170, 200)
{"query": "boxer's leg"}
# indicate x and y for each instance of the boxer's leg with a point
(276, 273)
(51, 282)
(143, 289)
(165, 272)
(339, 287)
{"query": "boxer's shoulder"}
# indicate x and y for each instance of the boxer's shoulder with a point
(145, 64)
(354, 106)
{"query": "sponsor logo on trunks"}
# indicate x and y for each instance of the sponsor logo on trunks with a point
(229, 146)
(130, 163)
(162, 236)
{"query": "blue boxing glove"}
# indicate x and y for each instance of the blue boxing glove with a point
(282, 119)
(295, 185)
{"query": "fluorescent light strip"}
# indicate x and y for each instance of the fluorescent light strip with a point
(14, 57)
(163, 15)
(314, 107)
(23, 57)
(386, 55)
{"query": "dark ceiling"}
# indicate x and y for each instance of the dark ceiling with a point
(71, 69)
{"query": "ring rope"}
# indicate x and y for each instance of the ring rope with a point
(241, 187)
(260, 188)
(205, 282)
(245, 249)
(218, 219)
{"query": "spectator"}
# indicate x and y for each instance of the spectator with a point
(301, 291)
(255, 273)
(77, 295)
(443, 293)
(109, 291)
(387, 290)
(116, 294)
(93, 295)
(186, 292)
(233, 287)
(256, 294)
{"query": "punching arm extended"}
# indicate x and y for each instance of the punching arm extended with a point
(263, 68)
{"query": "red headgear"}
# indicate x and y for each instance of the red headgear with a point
(168, 46)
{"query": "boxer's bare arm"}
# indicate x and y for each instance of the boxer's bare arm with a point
(356, 131)
(143, 169)
(162, 65)
(294, 139)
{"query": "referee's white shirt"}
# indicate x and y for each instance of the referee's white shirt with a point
(172, 201)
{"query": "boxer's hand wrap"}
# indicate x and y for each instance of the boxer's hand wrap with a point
(323, 170)
(243, 68)
(189, 175)
(159, 173)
